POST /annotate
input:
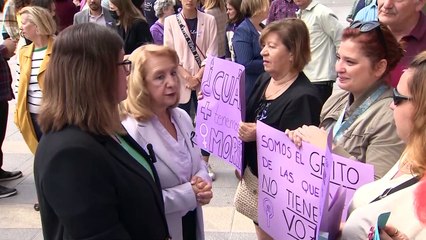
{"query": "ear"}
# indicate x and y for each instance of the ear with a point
(380, 68)
(420, 5)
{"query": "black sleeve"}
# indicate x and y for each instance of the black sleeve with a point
(78, 186)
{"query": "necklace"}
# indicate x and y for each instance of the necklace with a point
(281, 88)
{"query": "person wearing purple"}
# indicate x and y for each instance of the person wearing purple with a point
(281, 9)
(163, 9)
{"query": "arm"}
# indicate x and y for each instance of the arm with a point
(332, 27)
(304, 110)
(271, 14)
(244, 53)
(85, 203)
(227, 50)
(143, 34)
(157, 36)
(168, 32)
(180, 198)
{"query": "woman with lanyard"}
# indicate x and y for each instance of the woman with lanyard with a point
(359, 116)
(193, 35)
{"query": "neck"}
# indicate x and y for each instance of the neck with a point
(284, 77)
(41, 41)
(161, 20)
(189, 13)
(163, 115)
(96, 13)
(404, 28)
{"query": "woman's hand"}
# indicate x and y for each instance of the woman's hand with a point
(310, 134)
(294, 137)
(392, 233)
(202, 190)
(192, 82)
(247, 131)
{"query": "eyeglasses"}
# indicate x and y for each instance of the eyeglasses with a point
(365, 27)
(398, 98)
(127, 64)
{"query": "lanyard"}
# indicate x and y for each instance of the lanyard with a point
(341, 126)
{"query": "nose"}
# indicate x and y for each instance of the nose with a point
(263, 52)
(386, 3)
(171, 80)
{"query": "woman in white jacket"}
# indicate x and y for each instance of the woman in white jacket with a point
(153, 119)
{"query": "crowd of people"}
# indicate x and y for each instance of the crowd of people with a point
(106, 98)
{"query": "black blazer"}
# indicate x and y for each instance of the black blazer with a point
(137, 35)
(89, 187)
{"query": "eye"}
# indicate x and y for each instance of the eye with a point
(174, 73)
(161, 77)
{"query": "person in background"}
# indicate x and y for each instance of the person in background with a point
(246, 41)
(149, 12)
(235, 17)
(47, 4)
(151, 117)
(325, 32)
(281, 9)
(356, 7)
(407, 23)
(95, 13)
(193, 35)
(131, 25)
(282, 97)
(39, 27)
(217, 9)
(65, 11)
(93, 180)
(396, 191)
(359, 116)
(12, 19)
(7, 49)
(163, 9)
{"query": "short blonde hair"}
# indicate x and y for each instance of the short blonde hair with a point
(295, 36)
(42, 18)
(138, 102)
(416, 148)
(251, 8)
(80, 87)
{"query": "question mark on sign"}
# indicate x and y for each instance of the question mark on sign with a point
(269, 210)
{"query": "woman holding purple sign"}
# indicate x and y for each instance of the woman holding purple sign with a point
(283, 97)
(359, 116)
(152, 118)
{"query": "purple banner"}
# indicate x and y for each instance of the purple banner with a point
(221, 109)
(290, 184)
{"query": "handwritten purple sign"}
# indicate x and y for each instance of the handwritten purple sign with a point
(221, 110)
(290, 184)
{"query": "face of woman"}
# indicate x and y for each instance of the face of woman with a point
(169, 10)
(277, 60)
(355, 72)
(162, 82)
(403, 113)
(28, 28)
(123, 71)
(113, 10)
(230, 10)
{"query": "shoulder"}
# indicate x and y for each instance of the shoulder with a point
(82, 13)
(181, 115)
(170, 19)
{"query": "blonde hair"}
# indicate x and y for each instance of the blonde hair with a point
(209, 4)
(251, 8)
(416, 148)
(138, 102)
(42, 18)
(81, 81)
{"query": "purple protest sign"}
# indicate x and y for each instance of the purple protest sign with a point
(221, 110)
(290, 183)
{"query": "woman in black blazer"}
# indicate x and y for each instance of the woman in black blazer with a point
(93, 180)
(132, 26)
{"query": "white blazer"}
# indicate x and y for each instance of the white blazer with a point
(175, 176)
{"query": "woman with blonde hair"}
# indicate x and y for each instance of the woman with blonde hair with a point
(93, 180)
(131, 26)
(39, 27)
(152, 118)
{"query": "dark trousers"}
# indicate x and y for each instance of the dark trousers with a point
(324, 89)
(36, 127)
(192, 100)
(4, 111)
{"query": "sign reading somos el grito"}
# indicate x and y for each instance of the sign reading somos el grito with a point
(221, 110)
(290, 184)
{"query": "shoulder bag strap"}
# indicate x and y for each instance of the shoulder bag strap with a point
(403, 185)
(191, 43)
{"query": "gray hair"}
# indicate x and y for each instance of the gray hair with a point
(160, 5)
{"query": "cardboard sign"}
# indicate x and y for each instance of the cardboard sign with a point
(221, 110)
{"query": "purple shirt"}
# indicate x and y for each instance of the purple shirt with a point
(157, 32)
(281, 9)
(413, 44)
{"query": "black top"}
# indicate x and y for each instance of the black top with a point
(137, 35)
(148, 12)
(90, 187)
(299, 105)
